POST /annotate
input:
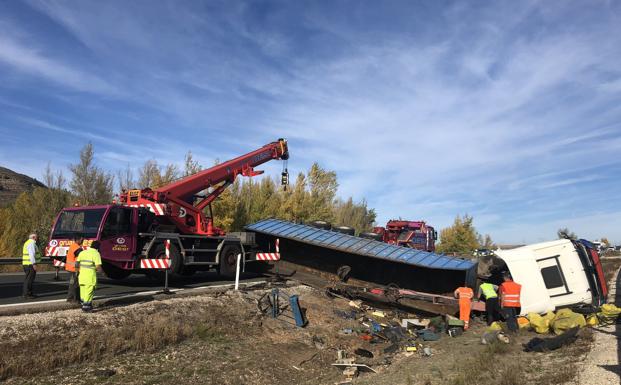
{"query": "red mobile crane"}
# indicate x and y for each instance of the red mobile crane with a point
(140, 225)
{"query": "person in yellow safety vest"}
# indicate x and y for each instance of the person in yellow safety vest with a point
(465, 295)
(30, 258)
(510, 301)
(490, 295)
(88, 264)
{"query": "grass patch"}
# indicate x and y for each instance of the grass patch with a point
(210, 334)
(148, 334)
(486, 368)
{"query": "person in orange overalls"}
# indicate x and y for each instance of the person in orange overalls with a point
(465, 295)
(73, 293)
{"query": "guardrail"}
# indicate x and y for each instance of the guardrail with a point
(18, 261)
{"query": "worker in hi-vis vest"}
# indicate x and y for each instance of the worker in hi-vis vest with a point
(465, 295)
(510, 301)
(30, 258)
(88, 264)
(73, 291)
(489, 292)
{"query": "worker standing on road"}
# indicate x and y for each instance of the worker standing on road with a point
(489, 293)
(30, 258)
(73, 292)
(88, 264)
(465, 295)
(510, 301)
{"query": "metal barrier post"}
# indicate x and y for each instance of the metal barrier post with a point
(56, 277)
(166, 291)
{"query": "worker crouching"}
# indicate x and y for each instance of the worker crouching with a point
(89, 263)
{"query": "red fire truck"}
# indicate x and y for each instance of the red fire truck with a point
(174, 220)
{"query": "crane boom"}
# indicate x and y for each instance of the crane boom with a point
(184, 209)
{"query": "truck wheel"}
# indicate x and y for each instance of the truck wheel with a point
(159, 252)
(228, 260)
(344, 230)
(114, 272)
(321, 225)
(374, 236)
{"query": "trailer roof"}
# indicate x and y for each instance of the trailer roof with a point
(356, 245)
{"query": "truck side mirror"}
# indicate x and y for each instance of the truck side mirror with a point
(435, 235)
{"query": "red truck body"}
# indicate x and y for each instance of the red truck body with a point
(414, 234)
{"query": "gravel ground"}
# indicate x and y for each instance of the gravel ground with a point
(601, 367)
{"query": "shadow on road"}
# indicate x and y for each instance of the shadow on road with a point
(46, 288)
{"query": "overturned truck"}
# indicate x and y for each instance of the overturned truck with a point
(553, 275)
(369, 260)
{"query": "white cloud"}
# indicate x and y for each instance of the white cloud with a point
(27, 59)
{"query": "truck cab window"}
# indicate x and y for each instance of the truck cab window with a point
(552, 277)
(117, 223)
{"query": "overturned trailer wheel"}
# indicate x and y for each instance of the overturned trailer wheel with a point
(373, 236)
(321, 225)
(344, 230)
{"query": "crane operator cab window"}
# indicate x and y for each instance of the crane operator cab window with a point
(117, 223)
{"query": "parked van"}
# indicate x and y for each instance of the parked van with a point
(556, 274)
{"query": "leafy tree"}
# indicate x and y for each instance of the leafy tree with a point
(190, 165)
(355, 215)
(485, 242)
(54, 180)
(31, 212)
(323, 187)
(153, 176)
(126, 178)
(564, 233)
(90, 184)
(461, 237)
(148, 174)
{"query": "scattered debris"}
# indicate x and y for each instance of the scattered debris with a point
(489, 338)
(363, 353)
(279, 304)
(345, 314)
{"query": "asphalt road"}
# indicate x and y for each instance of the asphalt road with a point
(46, 288)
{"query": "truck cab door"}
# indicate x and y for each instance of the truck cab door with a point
(553, 275)
(117, 242)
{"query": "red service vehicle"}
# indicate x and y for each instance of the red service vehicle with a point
(413, 234)
(144, 220)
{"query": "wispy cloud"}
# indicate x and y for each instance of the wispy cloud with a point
(30, 61)
(504, 111)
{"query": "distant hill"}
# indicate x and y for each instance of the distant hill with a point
(12, 184)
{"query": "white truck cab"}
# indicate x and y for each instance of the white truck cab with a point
(556, 274)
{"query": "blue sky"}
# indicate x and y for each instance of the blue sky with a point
(509, 111)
